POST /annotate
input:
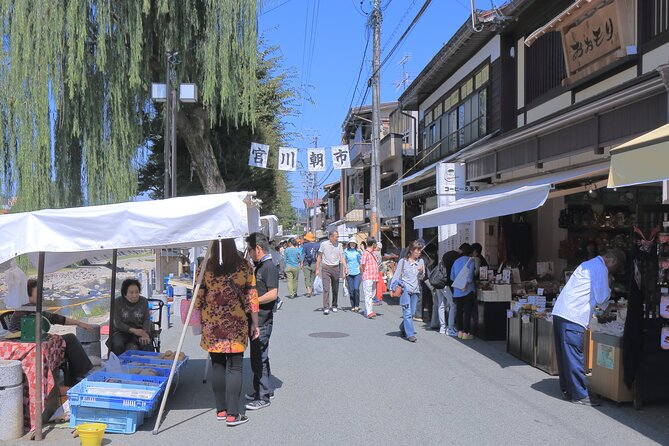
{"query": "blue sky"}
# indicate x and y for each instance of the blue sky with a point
(328, 59)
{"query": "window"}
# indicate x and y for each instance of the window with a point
(460, 119)
(654, 18)
(544, 66)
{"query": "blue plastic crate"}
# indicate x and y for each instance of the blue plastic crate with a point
(155, 355)
(117, 421)
(122, 378)
(149, 361)
(85, 394)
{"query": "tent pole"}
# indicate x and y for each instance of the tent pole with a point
(113, 295)
(39, 391)
(196, 292)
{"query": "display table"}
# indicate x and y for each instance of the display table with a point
(545, 358)
(53, 354)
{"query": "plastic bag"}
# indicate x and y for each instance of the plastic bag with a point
(195, 317)
(318, 285)
(113, 364)
(17, 282)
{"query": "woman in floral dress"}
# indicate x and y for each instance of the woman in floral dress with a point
(227, 300)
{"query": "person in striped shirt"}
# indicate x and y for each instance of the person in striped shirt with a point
(370, 274)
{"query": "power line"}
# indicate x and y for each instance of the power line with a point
(403, 36)
(404, 16)
(272, 9)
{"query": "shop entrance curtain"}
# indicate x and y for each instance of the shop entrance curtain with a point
(642, 160)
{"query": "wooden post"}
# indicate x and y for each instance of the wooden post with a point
(39, 391)
(112, 290)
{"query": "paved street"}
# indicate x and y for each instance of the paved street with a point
(369, 386)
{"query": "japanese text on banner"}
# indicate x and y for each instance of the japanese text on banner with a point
(340, 157)
(258, 155)
(316, 160)
(287, 158)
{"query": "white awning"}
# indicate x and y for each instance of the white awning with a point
(75, 233)
(505, 199)
(642, 160)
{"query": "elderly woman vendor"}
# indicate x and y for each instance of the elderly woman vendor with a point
(132, 320)
(78, 363)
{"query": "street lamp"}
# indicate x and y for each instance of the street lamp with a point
(159, 93)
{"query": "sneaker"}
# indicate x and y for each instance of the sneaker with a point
(371, 315)
(279, 304)
(326, 312)
(411, 339)
(452, 333)
(257, 404)
(271, 396)
(566, 396)
(231, 420)
(250, 396)
(418, 319)
(461, 334)
(467, 337)
(442, 331)
(334, 309)
(587, 401)
(222, 415)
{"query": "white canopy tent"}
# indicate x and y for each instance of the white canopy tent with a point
(58, 237)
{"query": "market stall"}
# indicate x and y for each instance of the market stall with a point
(55, 238)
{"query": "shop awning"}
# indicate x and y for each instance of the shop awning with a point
(641, 160)
(505, 199)
(488, 206)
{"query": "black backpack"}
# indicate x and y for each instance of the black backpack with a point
(310, 255)
(439, 277)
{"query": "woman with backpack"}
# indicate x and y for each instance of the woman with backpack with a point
(464, 290)
(441, 282)
(310, 251)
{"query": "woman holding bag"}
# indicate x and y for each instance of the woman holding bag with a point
(408, 274)
(464, 290)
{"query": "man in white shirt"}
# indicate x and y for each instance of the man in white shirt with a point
(587, 288)
(330, 256)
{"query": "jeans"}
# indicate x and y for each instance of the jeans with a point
(330, 276)
(406, 327)
(465, 307)
(226, 374)
(292, 273)
(438, 317)
(418, 308)
(368, 290)
(569, 354)
(119, 342)
(262, 372)
(353, 283)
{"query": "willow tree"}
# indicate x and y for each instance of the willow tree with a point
(75, 90)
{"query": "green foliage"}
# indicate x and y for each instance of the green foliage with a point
(86, 67)
(276, 100)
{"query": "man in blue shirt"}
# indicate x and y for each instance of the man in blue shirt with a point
(464, 297)
(587, 288)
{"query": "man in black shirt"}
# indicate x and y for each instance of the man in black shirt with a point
(267, 285)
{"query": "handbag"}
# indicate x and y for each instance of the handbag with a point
(460, 281)
(397, 291)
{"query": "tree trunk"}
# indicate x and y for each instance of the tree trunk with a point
(193, 127)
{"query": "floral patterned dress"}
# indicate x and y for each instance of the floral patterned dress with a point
(223, 310)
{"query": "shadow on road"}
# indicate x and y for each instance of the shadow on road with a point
(549, 386)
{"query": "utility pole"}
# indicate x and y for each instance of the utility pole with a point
(173, 140)
(315, 180)
(166, 184)
(376, 121)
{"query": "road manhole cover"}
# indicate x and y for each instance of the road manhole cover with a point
(328, 334)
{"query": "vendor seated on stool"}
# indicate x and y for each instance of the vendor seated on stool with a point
(77, 359)
(132, 320)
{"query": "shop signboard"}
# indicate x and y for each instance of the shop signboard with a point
(595, 35)
(451, 185)
(390, 201)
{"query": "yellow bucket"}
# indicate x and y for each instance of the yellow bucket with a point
(91, 434)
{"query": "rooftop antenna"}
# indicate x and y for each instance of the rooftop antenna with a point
(406, 78)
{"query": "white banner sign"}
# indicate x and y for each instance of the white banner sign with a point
(316, 160)
(287, 158)
(390, 201)
(340, 157)
(258, 155)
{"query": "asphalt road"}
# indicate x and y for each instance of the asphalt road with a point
(371, 387)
